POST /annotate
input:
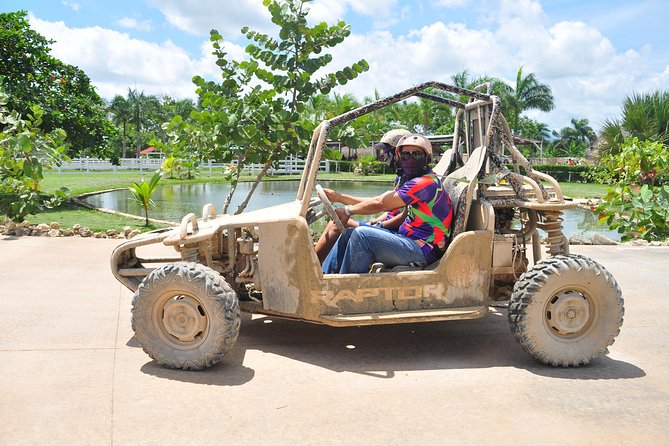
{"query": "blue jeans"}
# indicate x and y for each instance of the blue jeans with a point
(358, 247)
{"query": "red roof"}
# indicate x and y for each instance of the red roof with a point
(147, 150)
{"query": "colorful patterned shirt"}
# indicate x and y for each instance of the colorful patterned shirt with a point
(429, 214)
(396, 184)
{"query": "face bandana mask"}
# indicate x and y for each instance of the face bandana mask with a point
(413, 168)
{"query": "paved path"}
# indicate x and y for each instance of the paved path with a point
(71, 372)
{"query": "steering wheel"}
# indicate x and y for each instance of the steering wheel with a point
(329, 209)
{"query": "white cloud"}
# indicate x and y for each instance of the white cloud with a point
(432, 53)
(72, 5)
(382, 14)
(660, 81)
(131, 23)
(228, 17)
(328, 11)
(451, 3)
(588, 75)
(115, 62)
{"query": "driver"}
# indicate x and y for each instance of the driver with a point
(423, 234)
(389, 220)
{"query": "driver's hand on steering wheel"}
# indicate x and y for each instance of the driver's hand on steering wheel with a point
(342, 215)
(331, 194)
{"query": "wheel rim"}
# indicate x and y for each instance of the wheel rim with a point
(569, 313)
(182, 320)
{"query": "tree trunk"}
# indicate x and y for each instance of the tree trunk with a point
(233, 188)
(260, 176)
(233, 185)
(139, 133)
(124, 137)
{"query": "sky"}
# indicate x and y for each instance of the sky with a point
(592, 53)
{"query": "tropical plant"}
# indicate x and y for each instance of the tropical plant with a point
(142, 193)
(143, 108)
(637, 204)
(120, 110)
(255, 113)
(167, 109)
(644, 116)
(64, 93)
(24, 151)
(365, 165)
(332, 154)
(188, 145)
(572, 141)
(171, 166)
(532, 129)
(528, 94)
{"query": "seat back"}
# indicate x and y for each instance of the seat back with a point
(460, 186)
(447, 163)
(481, 216)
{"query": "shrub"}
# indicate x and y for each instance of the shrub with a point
(637, 204)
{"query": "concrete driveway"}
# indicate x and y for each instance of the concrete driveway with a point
(72, 373)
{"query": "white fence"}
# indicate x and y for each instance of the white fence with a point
(284, 167)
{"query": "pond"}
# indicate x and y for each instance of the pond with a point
(175, 201)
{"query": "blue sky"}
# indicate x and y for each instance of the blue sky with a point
(592, 53)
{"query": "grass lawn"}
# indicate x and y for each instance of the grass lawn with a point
(70, 214)
(584, 190)
(80, 183)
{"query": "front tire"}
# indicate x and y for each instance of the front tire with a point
(566, 310)
(185, 316)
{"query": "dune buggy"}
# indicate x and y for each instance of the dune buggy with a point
(564, 310)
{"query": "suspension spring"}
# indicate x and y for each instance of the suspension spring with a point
(552, 225)
(189, 253)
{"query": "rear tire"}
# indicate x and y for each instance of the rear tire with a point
(185, 316)
(566, 310)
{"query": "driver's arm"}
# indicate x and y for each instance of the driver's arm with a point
(337, 197)
(374, 205)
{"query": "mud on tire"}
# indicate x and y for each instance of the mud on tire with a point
(185, 316)
(566, 310)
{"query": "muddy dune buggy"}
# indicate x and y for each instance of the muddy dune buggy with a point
(564, 310)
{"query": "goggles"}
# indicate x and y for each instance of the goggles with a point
(418, 155)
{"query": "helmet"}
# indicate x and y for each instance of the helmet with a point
(415, 140)
(392, 137)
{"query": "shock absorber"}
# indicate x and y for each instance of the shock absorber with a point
(189, 253)
(552, 225)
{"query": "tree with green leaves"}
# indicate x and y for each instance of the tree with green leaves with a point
(143, 109)
(187, 146)
(532, 129)
(645, 116)
(573, 141)
(637, 203)
(63, 92)
(168, 109)
(254, 113)
(25, 149)
(121, 114)
(528, 94)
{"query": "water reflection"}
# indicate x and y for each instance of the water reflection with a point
(175, 201)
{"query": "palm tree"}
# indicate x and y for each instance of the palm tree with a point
(529, 94)
(574, 140)
(461, 79)
(167, 109)
(583, 132)
(121, 112)
(644, 116)
(142, 192)
(142, 107)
